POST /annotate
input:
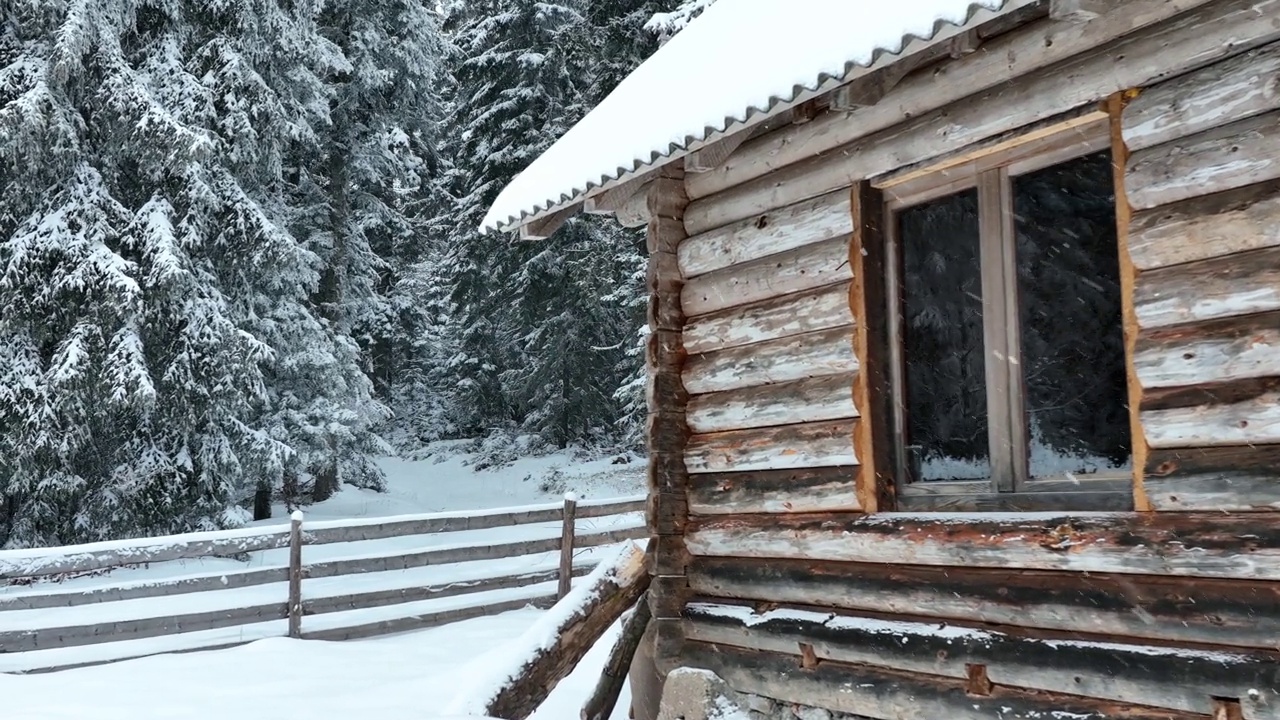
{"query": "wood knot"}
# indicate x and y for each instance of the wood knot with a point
(1062, 537)
(1165, 468)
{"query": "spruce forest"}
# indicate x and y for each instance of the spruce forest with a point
(240, 258)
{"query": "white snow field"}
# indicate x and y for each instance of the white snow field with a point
(410, 675)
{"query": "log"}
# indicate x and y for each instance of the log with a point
(776, 448)
(1193, 40)
(815, 354)
(1235, 89)
(1003, 59)
(800, 401)
(827, 489)
(789, 272)
(1176, 544)
(1149, 607)
(812, 221)
(1220, 350)
(1123, 672)
(820, 309)
(599, 706)
(1224, 158)
(1207, 227)
(1251, 422)
(867, 691)
(1225, 479)
(560, 639)
(1240, 284)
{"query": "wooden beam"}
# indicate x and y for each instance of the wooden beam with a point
(1079, 11)
(773, 491)
(773, 319)
(868, 691)
(1151, 608)
(608, 201)
(1245, 545)
(870, 389)
(543, 227)
(867, 90)
(711, 156)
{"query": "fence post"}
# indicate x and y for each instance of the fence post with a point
(295, 574)
(566, 544)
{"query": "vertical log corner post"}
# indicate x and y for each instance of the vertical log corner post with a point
(868, 305)
(667, 431)
(295, 574)
(1128, 284)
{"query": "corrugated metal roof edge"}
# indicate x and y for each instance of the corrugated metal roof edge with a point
(752, 115)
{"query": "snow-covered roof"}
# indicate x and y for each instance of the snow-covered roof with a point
(738, 63)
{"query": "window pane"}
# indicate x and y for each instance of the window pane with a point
(946, 394)
(1072, 342)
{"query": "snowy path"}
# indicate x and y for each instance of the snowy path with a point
(400, 677)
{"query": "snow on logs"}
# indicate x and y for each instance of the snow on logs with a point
(815, 354)
(1173, 678)
(821, 309)
(554, 645)
(1002, 58)
(815, 168)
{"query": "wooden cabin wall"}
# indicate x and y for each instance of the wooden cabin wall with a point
(792, 592)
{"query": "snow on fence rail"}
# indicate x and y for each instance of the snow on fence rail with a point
(85, 604)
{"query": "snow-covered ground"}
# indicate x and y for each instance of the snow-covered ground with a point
(407, 675)
(399, 677)
(448, 480)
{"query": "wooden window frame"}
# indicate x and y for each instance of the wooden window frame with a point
(990, 171)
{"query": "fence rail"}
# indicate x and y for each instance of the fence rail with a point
(336, 580)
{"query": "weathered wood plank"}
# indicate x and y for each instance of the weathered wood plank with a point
(1185, 680)
(325, 533)
(789, 272)
(138, 628)
(1239, 220)
(1150, 607)
(1238, 284)
(1225, 92)
(815, 220)
(100, 556)
(1226, 392)
(1224, 158)
(799, 401)
(1002, 60)
(398, 596)
(1178, 544)
(440, 556)
(1251, 422)
(427, 620)
(774, 491)
(1226, 479)
(820, 309)
(1219, 350)
(777, 448)
(41, 596)
(815, 354)
(882, 693)
(1193, 40)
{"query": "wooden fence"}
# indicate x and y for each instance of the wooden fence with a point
(329, 580)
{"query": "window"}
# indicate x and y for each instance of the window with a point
(1006, 351)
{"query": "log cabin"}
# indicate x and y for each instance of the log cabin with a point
(964, 352)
